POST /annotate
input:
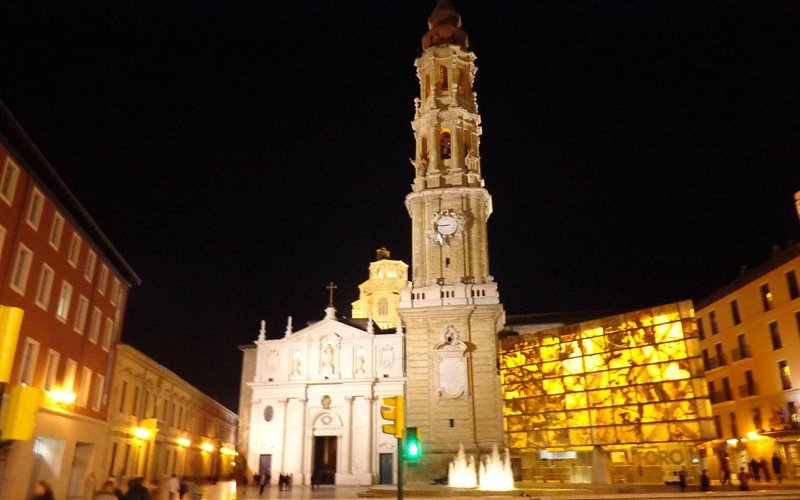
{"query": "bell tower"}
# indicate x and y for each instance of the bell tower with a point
(451, 308)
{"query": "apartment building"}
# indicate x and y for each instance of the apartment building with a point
(750, 343)
(60, 268)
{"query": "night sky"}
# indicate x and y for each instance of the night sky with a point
(242, 154)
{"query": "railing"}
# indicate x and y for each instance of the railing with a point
(746, 390)
(713, 362)
(720, 397)
(740, 353)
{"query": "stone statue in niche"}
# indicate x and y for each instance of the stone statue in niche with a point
(387, 357)
(297, 363)
(272, 361)
(327, 355)
(360, 365)
(450, 376)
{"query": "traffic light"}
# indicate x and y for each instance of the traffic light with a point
(394, 409)
(413, 447)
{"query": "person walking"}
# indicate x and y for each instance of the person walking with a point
(682, 479)
(136, 490)
(764, 469)
(705, 481)
(725, 464)
(744, 480)
(173, 487)
(43, 491)
(107, 492)
(754, 470)
(777, 467)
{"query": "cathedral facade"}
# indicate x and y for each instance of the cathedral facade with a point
(314, 402)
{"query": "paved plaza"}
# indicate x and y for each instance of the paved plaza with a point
(787, 490)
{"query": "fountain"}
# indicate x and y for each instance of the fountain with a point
(495, 472)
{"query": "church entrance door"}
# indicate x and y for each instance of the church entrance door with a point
(387, 468)
(325, 459)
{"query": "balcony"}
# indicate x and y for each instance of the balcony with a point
(714, 362)
(720, 397)
(747, 390)
(741, 353)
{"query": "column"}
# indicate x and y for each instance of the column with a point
(303, 444)
(284, 402)
(347, 452)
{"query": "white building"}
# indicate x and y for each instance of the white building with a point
(316, 398)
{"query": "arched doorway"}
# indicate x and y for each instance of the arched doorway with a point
(325, 453)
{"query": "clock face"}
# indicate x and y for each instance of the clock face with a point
(447, 225)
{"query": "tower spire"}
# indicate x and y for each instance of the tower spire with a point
(444, 27)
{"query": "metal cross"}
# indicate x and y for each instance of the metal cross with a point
(331, 287)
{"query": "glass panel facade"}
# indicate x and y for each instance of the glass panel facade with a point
(634, 378)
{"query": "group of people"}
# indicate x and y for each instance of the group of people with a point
(111, 491)
(756, 471)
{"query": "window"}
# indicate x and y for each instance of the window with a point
(734, 427)
(718, 426)
(102, 280)
(791, 282)
(743, 350)
(737, 318)
(122, 396)
(56, 230)
(706, 360)
(712, 391)
(775, 335)
(462, 82)
(70, 370)
(750, 383)
(135, 407)
(84, 386)
(712, 318)
(108, 334)
(80, 314)
(8, 182)
(52, 369)
(30, 352)
(74, 250)
(445, 145)
(91, 261)
(427, 85)
(720, 354)
(99, 386)
(757, 422)
(443, 78)
(785, 374)
(383, 307)
(700, 330)
(35, 208)
(766, 297)
(114, 292)
(64, 298)
(22, 265)
(797, 320)
(45, 286)
(726, 389)
(94, 325)
(2, 238)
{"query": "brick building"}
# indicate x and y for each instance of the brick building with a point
(58, 266)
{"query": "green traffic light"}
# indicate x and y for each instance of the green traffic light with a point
(412, 450)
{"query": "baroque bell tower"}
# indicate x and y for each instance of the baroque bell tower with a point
(451, 308)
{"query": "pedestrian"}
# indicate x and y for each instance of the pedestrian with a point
(682, 479)
(754, 470)
(173, 487)
(263, 484)
(136, 490)
(744, 480)
(725, 464)
(764, 466)
(107, 492)
(777, 466)
(705, 481)
(43, 491)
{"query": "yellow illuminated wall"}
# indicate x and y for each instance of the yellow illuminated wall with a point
(625, 379)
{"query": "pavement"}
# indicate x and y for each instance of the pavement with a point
(788, 490)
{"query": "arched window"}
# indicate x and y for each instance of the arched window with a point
(383, 307)
(445, 145)
(427, 82)
(443, 78)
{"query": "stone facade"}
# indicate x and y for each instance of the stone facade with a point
(315, 404)
(379, 296)
(452, 309)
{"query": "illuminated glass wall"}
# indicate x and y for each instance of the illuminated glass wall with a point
(633, 378)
